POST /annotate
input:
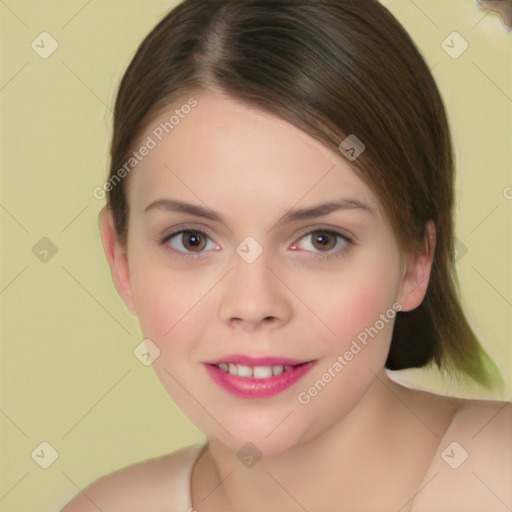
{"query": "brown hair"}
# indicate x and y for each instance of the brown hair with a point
(331, 68)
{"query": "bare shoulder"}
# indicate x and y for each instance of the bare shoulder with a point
(472, 468)
(480, 420)
(495, 416)
(485, 427)
(482, 428)
(153, 484)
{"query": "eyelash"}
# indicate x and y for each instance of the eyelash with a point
(323, 256)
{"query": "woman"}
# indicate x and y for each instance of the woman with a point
(280, 219)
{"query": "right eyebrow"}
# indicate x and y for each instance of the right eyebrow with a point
(170, 205)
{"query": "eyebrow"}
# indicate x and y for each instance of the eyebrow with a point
(171, 205)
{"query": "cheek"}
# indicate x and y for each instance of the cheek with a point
(164, 300)
(362, 317)
(358, 312)
(355, 300)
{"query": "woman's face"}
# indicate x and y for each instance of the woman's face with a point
(259, 279)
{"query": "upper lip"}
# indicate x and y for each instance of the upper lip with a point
(257, 361)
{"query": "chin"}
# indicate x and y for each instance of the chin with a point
(256, 440)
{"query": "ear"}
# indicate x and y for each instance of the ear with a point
(417, 269)
(117, 258)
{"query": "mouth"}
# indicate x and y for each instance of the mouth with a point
(249, 378)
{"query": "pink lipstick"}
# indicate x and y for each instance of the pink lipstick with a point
(261, 377)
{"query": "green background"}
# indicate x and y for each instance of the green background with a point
(68, 372)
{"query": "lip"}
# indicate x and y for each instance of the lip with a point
(257, 361)
(246, 387)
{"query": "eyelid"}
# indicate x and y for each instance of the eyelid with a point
(179, 228)
(348, 235)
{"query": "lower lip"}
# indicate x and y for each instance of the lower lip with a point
(245, 387)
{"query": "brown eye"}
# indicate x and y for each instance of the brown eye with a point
(324, 244)
(189, 243)
(323, 240)
(193, 240)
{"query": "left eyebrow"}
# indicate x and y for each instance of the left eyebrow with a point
(171, 205)
(325, 209)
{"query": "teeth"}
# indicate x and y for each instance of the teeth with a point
(262, 372)
(277, 370)
(256, 372)
(243, 371)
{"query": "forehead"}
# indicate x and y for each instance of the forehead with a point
(221, 150)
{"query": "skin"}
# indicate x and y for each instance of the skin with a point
(357, 433)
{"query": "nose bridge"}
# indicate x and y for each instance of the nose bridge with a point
(252, 293)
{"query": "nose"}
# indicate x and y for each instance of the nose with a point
(254, 298)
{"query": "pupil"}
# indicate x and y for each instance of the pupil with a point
(323, 239)
(193, 240)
